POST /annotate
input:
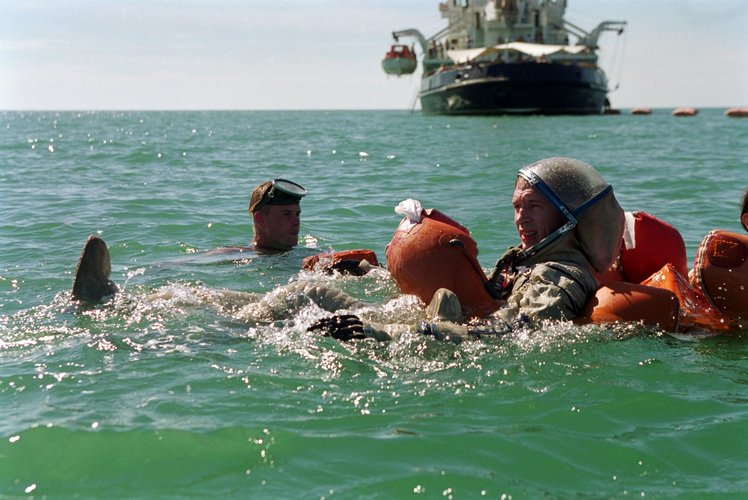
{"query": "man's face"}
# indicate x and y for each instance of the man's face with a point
(534, 216)
(279, 226)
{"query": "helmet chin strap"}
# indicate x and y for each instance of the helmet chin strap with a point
(570, 215)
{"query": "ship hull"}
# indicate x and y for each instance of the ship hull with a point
(515, 88)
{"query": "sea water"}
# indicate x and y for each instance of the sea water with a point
(177, 398)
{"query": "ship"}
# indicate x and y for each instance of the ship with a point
(499, 57)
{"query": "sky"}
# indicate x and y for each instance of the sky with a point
(326, 54)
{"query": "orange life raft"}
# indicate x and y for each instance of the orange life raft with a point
(720, 272)
(648, 244)
(653, 256)
(438, 252)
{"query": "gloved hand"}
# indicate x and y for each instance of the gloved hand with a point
(347, 266)
(341, 327)
(349, 327)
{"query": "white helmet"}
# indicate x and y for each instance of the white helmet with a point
(587, 203)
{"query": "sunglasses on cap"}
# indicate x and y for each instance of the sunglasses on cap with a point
(280, 192)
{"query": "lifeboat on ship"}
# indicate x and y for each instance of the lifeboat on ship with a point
(399, 60)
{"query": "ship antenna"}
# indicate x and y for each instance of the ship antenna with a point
(618, 53)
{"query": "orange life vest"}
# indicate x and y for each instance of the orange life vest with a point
(438, 252)
(648, 244)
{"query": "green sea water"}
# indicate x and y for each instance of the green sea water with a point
(175, 398)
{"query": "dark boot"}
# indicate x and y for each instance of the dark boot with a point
(92, 281)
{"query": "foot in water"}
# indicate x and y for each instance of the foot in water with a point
(444, 305)
(92, 281)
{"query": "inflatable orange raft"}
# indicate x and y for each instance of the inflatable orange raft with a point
(653, 255)
(438, 252)
(720, 272)
(625, 295)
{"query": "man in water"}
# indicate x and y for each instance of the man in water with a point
(744, 212)
(276, 214)
(570, 226)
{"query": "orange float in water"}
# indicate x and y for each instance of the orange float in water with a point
(327, 261)
(720, 272)
(685, 112)
(631, 302)
(438, 252)
(737, 112)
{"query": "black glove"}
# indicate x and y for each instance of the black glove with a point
(341, 327)
(346, 266)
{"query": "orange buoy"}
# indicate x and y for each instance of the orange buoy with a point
(695, 310)
(685, 112)
(348, 259)
(720, 272)
(618, 301)
(438, 252)
(737, 112)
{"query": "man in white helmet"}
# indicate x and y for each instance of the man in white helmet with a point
(570, 226)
